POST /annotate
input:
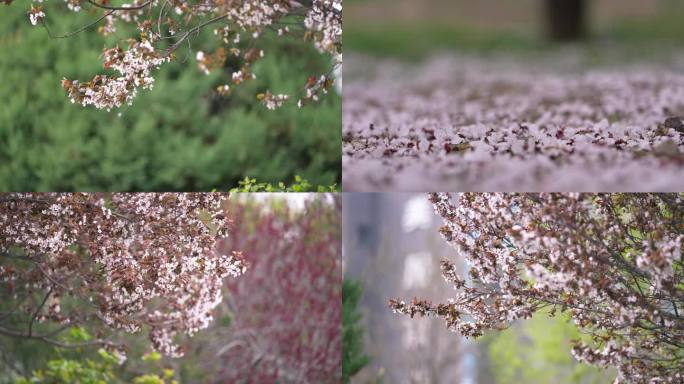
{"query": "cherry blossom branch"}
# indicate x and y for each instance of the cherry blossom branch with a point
(613, 262)
(148, 261)
(124, 8)
(47, 338)
(321, 21)
(193, 30)
(76, 32)
(39, 308)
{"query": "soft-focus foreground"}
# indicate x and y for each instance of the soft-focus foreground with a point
(163, 288)
(535, 292)
(491, 105)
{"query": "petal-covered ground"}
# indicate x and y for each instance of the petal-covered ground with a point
(474, 124)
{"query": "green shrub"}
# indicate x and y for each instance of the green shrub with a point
(101, 370)
(299, 185)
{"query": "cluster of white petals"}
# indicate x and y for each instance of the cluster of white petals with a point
(145, 261)
(36, 15)
(134, 66)
(458, 123)
(613, 262)
(272, 101)
(324, 20)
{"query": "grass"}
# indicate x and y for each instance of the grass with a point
(415, 39)
(418, 40)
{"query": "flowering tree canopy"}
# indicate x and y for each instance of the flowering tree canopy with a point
(286, 310)
(117, 262)
(613, 262)
(164, 26)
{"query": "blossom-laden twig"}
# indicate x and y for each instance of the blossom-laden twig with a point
(163, 26)
(612, 261)
(114, 262)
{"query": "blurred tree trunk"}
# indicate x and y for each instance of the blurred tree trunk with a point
(566, 19)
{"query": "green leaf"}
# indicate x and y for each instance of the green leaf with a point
(152, 356)
(78, 334)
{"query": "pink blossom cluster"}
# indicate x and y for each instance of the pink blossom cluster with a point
(613, 262)
(469, 124)
(324, 21)
(162, 27)
(134, 66)
(272, 101)
(36, 15)
(145, 261)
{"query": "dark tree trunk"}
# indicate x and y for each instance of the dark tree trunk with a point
(566, 19)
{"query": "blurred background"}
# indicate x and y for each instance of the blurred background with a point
(180, 136)
(391, 249)
(277, 323)
(412, 29)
